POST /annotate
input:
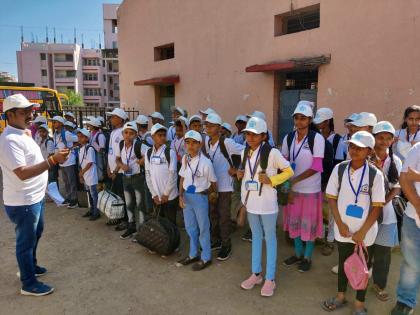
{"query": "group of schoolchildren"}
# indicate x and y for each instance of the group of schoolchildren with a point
(202, 166)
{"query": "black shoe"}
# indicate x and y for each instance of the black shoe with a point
(292, 260)
(87, 214)
(66, 202)
(402, 309)
(200, 265)
(186, 261)
(129, 232)
(305, 265)
(247, 236)
(94, 217)
(73, 204)
(216, 245)
(122, 226)
(224, 252)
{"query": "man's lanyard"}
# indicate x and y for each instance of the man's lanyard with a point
(196, 169)
(356, 193)
(300, 148)
(253, 170)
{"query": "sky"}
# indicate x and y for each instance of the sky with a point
(36, 15)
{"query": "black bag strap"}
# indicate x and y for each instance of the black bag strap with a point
(224, 151)
(167, 154)
(336, 141)
(121, 145)
(49, 139)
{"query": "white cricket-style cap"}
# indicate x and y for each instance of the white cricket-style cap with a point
(93, 121)
(69, 124)
(59, 119)
(257, 113)
(227, 126)
(70, 114)
(213, 118)
(84, 132)
(241, 118)
(383, 126)
(323, 114)
(16, 101)
(208, 111)
(304, 109)
(192, 134)
(256, 125)
(179, 110)
(351, 118)
(101, 119)
(194, 118)
(118, 112)
(365, 119)
(40, 120)
(43, 126)
(362, 139)
(156, 127)
(157, 115)
(183, 120)
(130, 125)
(142, 120)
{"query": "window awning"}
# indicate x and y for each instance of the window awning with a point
(292, 64)
(171, 79)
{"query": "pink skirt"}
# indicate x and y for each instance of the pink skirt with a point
(304, 217)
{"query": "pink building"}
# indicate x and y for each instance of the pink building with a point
(240, 55)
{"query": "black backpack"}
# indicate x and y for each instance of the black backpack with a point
(327, 161)
(137, 146)
(167, 154)
(234, 160)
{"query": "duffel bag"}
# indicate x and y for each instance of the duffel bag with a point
(111, 205)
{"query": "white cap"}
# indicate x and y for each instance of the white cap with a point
(93, 121)
(130, 125)
(304, 109)
(101, 119)
(192, 134)
(40, 119)
(156, 127)
(323, 114)
(69, 124)
(383, 126)
(362, 139)
(256, 125)
(157, 115)
(258, 114)
(59, 119)
(213, 118)
(194, 118)
(351, 118)
(179, 110)
(183, 119)
(208, 111)
(118, 112)
(142, 120)
(43, 126)
(69, 114)
(227, 126)
(241, 118)
(16, 101)
(84, 132)
(365, 119)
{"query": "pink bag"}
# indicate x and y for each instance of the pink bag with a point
(356, 268)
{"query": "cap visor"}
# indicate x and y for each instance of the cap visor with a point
(357, 143)
(318, 121)
(252, 130)
(358, 124)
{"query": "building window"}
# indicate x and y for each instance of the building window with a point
(104, 92)
(43, 56)
(297, 20)
(114, 45)
(90, 76)
(69, 57)
(103, 63)
(165, 52)
(65, 73)
(91, 92)
(91, 62)
(104, 76)
(43, 72)
(114, 26)
(63, 57)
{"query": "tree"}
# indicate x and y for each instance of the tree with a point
(75, 99)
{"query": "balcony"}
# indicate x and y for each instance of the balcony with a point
(91, 83)
(110, 53)
(90, 98)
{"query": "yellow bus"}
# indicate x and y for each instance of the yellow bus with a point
(48, 99)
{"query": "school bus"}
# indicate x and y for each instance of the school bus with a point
(48, 100)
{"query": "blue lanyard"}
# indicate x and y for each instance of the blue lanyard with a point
(408, 135)
(155, 152)
(84, 154)
(360, 183)
(294, 146)
(128, 157)
(253, 170)
(212, 157)
(196, 169)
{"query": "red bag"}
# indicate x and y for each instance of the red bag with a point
(356, 268)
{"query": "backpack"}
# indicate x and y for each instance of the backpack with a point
(49, 139)
(327, 161)
(97, 138)
(234, 160)
(88, 146)
(167, 154)
(336, 141)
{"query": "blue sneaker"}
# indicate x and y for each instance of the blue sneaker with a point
(39, 272)
(37, 289)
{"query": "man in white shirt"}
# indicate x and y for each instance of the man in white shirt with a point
(408, 286)
(25, 179)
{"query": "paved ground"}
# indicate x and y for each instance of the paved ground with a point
(94, 272)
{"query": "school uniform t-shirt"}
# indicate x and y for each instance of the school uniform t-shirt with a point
(267, 202)
(46, 145)
(98, 141)
(60, 144)
(178, 145)
(342, 153)
(146, 136)
(388, 211)
(171, 133)
(203, 170)
(239, 138)
(114, 145)
(86, 156)
(129, 158)
(413, 161)
(19, 149)
(220, 164)
(346, 197)
(403, 145)
(303, 162)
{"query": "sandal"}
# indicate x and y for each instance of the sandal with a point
(187, 260)
(382, 295)
(361, 312)
(333, 304)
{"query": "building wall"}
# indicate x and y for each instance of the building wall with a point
(374, 47)
(109, 14)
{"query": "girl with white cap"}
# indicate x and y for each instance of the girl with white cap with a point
(409, 133)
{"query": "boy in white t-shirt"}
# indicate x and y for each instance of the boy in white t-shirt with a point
(46, 144)
(88, 174)
(356, 196)
(177, 143)
(197, 177)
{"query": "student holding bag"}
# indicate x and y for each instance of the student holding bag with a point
(259, 197)
(356, 196)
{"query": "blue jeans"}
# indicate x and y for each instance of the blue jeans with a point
(408, 286)
(264, 226)
(197, 224)
(93, 199)
(132, 194)
(29, 222)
